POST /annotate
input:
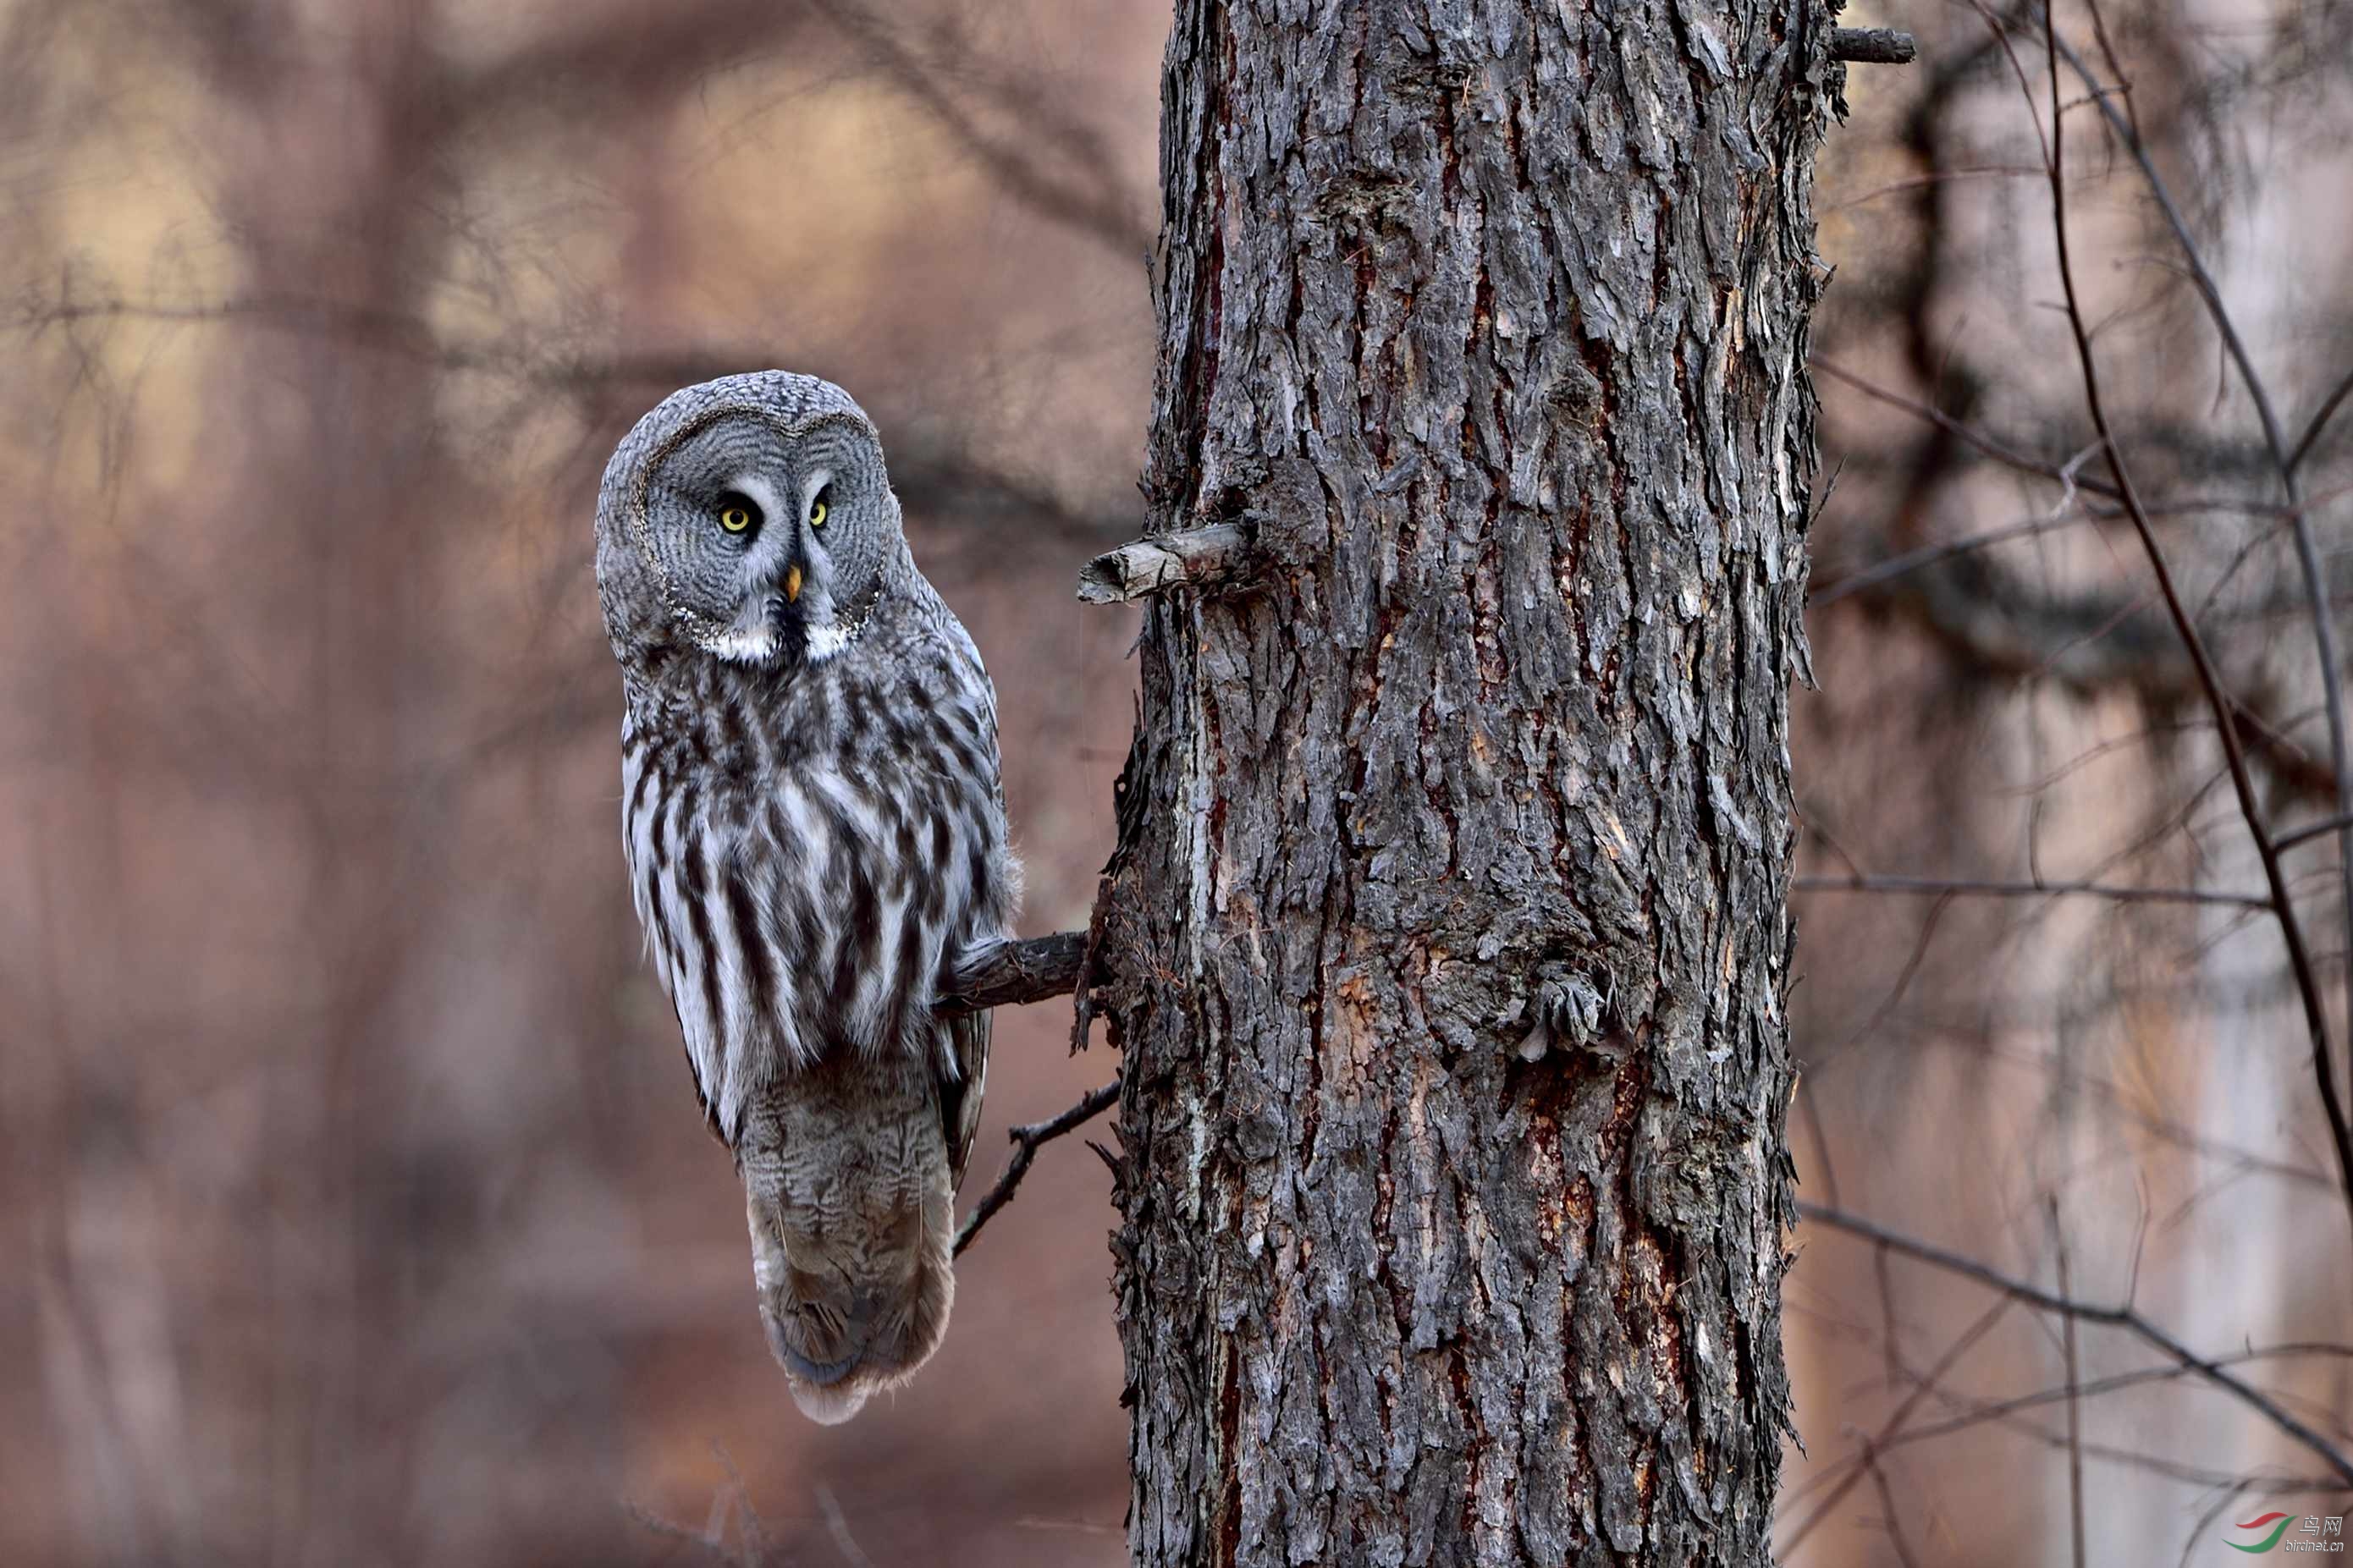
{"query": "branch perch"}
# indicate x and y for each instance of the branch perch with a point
(1197, 557)
(1011, 974)
(1872, 47)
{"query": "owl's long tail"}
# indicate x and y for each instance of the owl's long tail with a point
(846, 1181)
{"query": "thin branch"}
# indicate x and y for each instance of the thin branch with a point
(1937, 886)
(2307, 980)
(2122, 1318)
(755, 1530)
(2010, 456)
(1012, 973)
(2328, 408)
(1870, 1026)
(1095, 203)
(1025, 1140)
(1942, 177)
(931, 478)
(1975, 1413)
(2214, 1511)
(2311, 831)
(2109, 53)
(2007, 456)
(837, 1527)
(1894, 1519)
(1898, 566)
(2307, 549)
(2066, 1079)
(1894, 1426)
(647, 1520)
(2074, 1399)
(1909, 561)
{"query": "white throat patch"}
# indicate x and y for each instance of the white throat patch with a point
(826, 641)
(750, 645)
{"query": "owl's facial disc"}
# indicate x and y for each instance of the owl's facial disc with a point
(764, 535)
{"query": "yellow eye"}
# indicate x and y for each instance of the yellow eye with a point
(817, 512)
(736, 517)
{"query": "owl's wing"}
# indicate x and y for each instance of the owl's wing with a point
(976, 776)
(960, 1097)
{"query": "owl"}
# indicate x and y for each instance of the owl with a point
(815, 832)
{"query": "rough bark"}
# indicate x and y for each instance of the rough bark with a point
(1446, 941)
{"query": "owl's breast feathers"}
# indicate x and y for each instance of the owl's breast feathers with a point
(809, 849)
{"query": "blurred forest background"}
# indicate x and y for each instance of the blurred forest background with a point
(357, 1205)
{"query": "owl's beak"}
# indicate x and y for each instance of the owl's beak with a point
(792, 585)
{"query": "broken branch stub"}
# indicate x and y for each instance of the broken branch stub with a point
(1214, 556)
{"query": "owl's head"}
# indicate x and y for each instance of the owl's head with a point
(749, 519)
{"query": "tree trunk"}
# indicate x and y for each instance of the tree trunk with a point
(1446, 941)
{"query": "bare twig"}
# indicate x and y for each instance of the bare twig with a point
(1873, 45)
(1939, 887)
(1893, 1518)
(670, 1529)
(1974, 1414)
(2086, 643)
(2074, 1397)
(1197, 557)
(2127, 1109)
(1910, 561)
(2311, 831)
(2009, 457)
(1894, 1425)
(1812, 1112)
(2307, 549)
(1094, 202)
(1010, 973)
(2123, 1317)
(756, 1531)
(839, 1528)
(929, 479)
(1894, 997)
(1942, 177)
(1025, 1140)
(2324, 624)
(2311, 432)
(2214, 1511)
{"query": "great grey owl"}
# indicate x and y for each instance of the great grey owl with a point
(816, 835)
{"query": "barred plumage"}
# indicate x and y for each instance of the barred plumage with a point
(816, 834)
